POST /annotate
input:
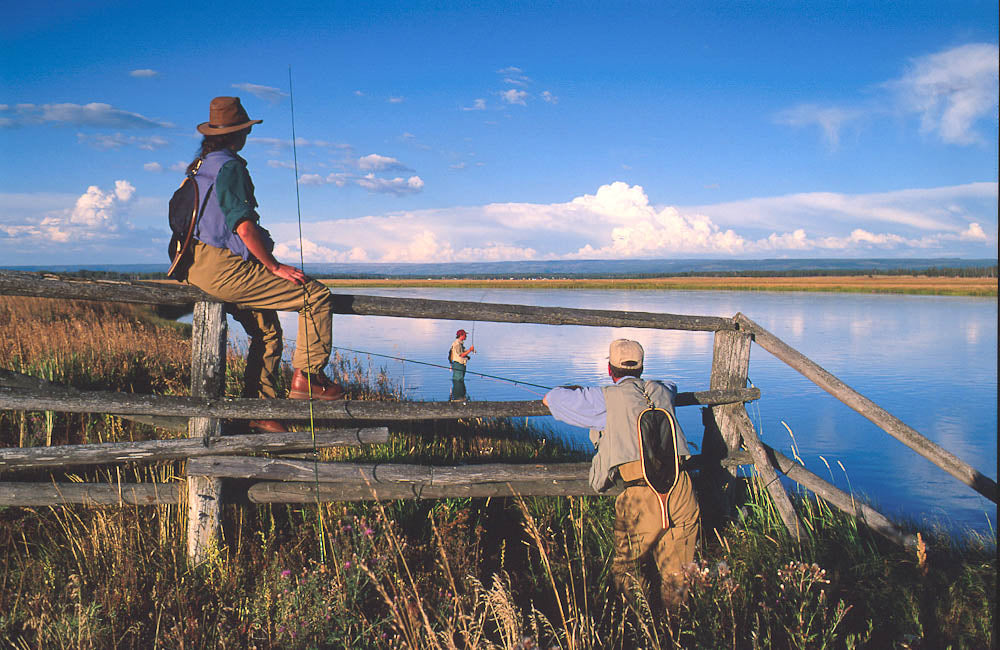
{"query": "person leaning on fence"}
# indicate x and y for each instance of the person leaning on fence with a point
(233, 261)
(611, 413)
(459, 356)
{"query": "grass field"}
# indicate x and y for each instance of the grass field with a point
(903, 284)
(443, 574)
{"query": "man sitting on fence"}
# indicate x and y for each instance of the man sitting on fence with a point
(642, 527)
(232, 260)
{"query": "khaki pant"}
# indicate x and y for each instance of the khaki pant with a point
(639, 533)
(258, 294)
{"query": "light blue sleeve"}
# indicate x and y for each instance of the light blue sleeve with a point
(581, 407)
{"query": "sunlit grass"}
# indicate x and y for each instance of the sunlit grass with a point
(448, 573)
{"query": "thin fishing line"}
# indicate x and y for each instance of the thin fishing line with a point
(307, 317)
(516, 382)
(437, 365)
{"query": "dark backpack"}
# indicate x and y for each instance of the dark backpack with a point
(657, 431)
(184, 211)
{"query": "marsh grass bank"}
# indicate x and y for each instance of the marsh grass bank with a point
(902, 284)
(456, 573)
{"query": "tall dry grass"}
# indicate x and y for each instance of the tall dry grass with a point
(451, 573)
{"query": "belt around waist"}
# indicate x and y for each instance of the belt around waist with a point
(631, 473)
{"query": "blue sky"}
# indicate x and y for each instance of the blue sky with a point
(506, 131)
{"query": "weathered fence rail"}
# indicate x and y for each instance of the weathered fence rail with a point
(247, 409)
(213, 457)
(107, 453)
(157, 293)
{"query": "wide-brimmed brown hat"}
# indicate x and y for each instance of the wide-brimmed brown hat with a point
(226, 115)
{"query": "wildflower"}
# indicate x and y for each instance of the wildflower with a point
(368, 531)
(286, 573)
(347, 564)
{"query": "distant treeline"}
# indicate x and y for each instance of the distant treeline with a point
(934, 271)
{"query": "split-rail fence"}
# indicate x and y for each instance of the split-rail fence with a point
(730, 438)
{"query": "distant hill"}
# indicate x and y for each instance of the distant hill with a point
(576, 268)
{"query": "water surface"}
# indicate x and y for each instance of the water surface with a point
(928, 360)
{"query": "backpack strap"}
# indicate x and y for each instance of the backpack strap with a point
(196, 213)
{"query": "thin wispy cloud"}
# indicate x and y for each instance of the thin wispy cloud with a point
(92, 115)
(106, 141)
(951, 92)
(830, 119)
(477, 105)
(153, 167)
(549, 98)
(396, 100)
(267, 93)
(397, 186)
(282, 143)
(514, 76)
(375, 162)
(144, 73)
(935, 209)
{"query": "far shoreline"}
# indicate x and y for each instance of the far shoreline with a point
(895, 284)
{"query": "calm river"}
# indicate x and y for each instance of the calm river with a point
(931, 361)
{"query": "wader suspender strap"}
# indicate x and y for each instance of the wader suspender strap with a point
(660, 497)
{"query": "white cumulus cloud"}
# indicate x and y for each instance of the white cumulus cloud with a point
(104, 210)
(144, 73)
(619, 221)
(514, 96)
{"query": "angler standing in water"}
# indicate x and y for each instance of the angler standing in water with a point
(459, 358)
(232, 260)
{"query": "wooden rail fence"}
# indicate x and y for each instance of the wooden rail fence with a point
(730, 439)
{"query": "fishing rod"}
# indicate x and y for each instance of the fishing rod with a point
(320, 524)
(516, 382)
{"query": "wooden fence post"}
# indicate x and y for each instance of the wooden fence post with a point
(208, 380)
(730, 367)
(727, 425)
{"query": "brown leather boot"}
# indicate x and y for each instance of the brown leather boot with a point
(321, 387)
(266, 426)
